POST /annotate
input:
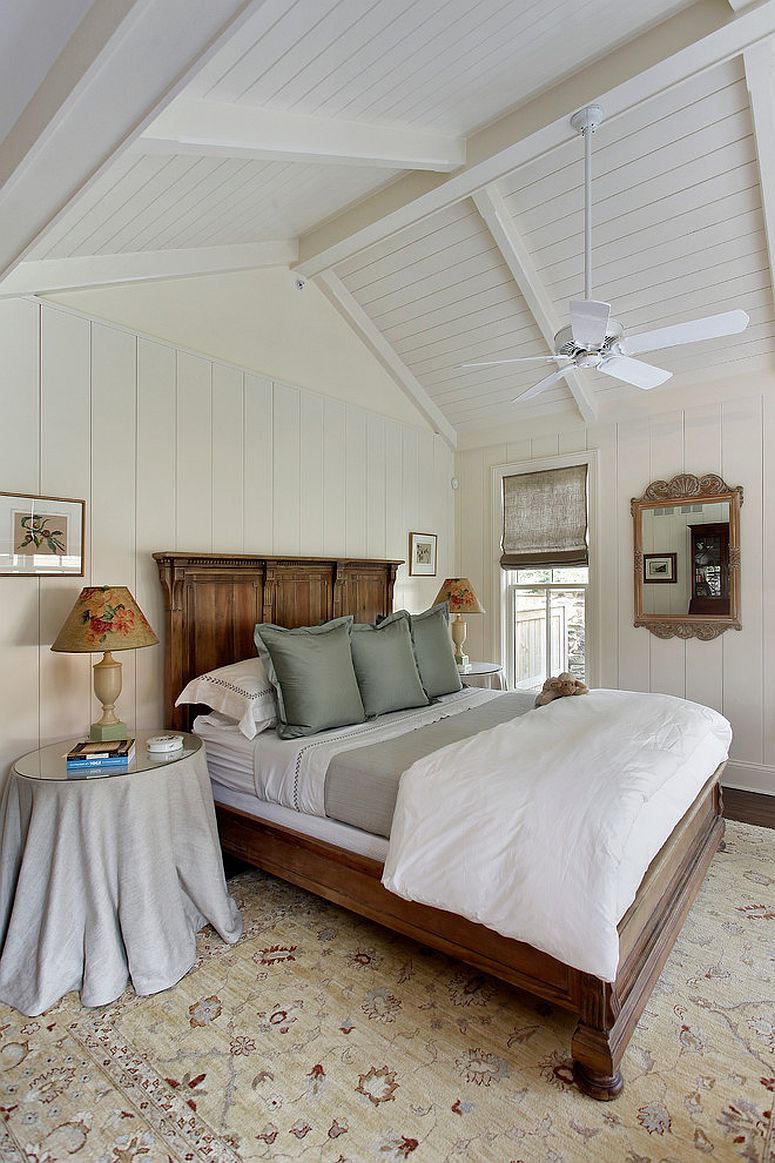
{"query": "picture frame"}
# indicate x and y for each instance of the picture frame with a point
(660, 568)
(422, 554)
(41, 536)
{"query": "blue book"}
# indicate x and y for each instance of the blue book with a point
(75, 764)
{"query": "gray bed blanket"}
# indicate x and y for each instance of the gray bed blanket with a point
(362, 784)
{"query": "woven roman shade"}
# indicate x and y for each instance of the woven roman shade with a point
(545, 519)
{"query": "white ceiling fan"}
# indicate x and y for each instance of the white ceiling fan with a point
(594, 339)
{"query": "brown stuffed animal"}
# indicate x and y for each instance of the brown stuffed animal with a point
(561, 686)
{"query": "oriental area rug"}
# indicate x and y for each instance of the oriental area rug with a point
(323, 1037)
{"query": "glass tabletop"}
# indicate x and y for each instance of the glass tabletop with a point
(481, 668)
(50, 762)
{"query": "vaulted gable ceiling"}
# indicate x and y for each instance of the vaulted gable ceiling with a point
(416, 159)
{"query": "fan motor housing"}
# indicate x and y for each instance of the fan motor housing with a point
(564, 343)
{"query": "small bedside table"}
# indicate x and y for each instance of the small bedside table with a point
(107, 878)
(485, 674)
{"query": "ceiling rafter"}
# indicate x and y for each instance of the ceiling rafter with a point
(500, 223)
(43, 276)
(91, 104)
(692, 41)
(209, 128)
(759, 64)
(350, 310)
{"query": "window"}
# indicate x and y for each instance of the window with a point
(544, 555)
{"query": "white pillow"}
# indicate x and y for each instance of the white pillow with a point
(242, 691)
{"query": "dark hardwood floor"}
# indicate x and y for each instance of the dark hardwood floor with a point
(749, 807)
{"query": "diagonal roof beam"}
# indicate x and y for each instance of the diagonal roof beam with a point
(352, 312)
(692, 41)
(125, 61)
(221, 129)
(489, 202)
(42, 276)
(759, 62)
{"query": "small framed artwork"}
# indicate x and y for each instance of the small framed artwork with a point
(422, 554)
(41, 536)
(660, 567)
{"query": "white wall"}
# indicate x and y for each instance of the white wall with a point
(256, 319)
(172, 450)
(730, 432)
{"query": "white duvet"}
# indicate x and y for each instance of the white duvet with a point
(543, 827)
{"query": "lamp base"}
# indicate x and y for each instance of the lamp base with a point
(103, 731)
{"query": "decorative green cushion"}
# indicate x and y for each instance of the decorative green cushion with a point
(434, 651)
(385, 666)
(311, 668)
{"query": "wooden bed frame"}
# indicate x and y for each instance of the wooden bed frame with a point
(213, 602)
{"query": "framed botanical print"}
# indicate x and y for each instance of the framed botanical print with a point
(41, 536)
(422, 554)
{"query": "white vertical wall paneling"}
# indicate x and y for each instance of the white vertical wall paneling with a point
(258, 455)
(376, 485)
(194, 516)
(113, 464)
(408, 586)
(743, 651)
(19, 597)
(312, 535)
(702, 454)
(65, 436)
(666, 451)
(334, 475)
(632, 469)
(355, 499)
(768, 610)
(286, 489)
(395, 530)
(608, 584)
(228, 458)
(156, 508)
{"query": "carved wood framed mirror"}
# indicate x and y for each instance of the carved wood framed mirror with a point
(687, 557)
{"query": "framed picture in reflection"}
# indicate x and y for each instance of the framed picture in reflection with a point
(660, 567)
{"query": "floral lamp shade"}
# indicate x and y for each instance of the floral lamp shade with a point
(104, 618)
(459, 592)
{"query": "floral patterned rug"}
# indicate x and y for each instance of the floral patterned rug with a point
(323, 1037)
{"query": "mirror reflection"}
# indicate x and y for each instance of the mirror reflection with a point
(686, 559)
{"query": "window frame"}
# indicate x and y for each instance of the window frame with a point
(502, 644)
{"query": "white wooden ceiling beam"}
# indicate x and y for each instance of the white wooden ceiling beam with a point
(500, 223)
(125, 61)
(221, 129)
(696, 39)
(42, 276)
(352, 312)
(759, 62)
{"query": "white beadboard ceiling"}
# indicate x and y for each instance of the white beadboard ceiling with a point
(679, 227)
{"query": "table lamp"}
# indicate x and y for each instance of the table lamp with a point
(459, 593)
(105, 618)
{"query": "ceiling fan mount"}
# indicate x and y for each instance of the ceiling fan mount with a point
(595, 340)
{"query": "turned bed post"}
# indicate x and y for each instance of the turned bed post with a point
(595, 1049)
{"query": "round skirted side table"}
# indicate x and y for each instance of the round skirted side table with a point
(485, 674)
(107, 875)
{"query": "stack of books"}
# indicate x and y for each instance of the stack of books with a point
(89, 755)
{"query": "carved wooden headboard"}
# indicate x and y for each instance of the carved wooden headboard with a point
(213, 601)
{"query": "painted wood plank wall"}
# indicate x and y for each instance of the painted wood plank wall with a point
(734, 673)
(172, 450)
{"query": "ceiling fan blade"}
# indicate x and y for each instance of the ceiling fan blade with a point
(541, 385)
(711, 327)
(589, 322)
(522, 359)
(633, 371)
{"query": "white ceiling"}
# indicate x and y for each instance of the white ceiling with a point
(302, 125)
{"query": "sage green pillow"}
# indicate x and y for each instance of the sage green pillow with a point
(385, 666)
(434, 651)
(311, 668)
